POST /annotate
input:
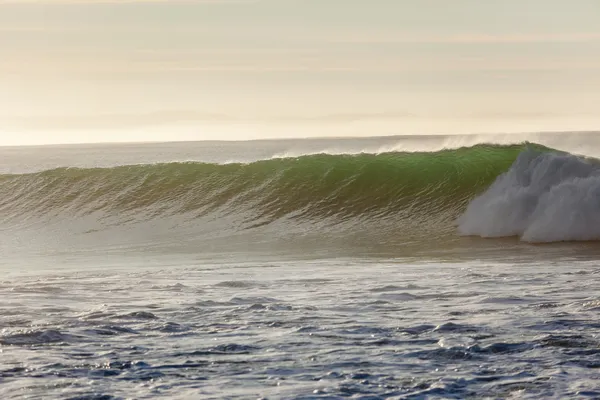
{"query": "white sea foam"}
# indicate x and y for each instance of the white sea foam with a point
(544, 197)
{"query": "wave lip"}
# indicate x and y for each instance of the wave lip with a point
(543, 197)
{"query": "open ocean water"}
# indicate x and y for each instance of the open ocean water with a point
(383, 268)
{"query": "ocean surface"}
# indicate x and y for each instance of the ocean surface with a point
(417, 267)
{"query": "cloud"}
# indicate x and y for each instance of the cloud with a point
(175, 117)
(117, 2)
(467, 38)
(100, 121)
(140, 65)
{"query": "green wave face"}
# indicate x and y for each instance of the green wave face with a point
(367, 186)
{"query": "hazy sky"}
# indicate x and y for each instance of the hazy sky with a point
(99, 70)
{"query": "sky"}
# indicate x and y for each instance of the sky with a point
(74, 71)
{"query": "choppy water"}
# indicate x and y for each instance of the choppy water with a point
(312, 329)
(110, 305)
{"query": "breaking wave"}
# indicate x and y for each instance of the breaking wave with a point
(525, 190)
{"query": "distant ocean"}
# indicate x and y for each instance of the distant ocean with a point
(405, 267)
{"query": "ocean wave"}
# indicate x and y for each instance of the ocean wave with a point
(525, 190)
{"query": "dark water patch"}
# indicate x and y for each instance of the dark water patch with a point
(209, 304)
(454, 295)
(566, 341)
(594, 271)
(142, 376)
(546, 305)
(222, 329)
(396, 343)
(530, 386)
(223, 349)
(120, 329)
(177, 287)
(111, 330)
(185, 365)
(237, 284)
(502, 348)
(138, 315)
(101, 332)
(272, 324)
(417, 329)
(268, 307)
(380, 304)
(366, 330)
(307, 281)
(333, 336)
(35, 338)
(308, 329)
(49, 310)
(457, 313)
(563, 324)
(399, 297)
(94, 397)
(482, 336)
(233, 349)
(104, 373)
(119, 365)
(445, 354)
(172, 327)
(584, 363)
(42, 289)
(474, 352)
(13, 372)
(582, 352)
(15, 309)
(594, 394)
(456, 328)
(395, 288)
(253, 300)
(15, 323)
(95, 315)
(439, 391)
(505, 300)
